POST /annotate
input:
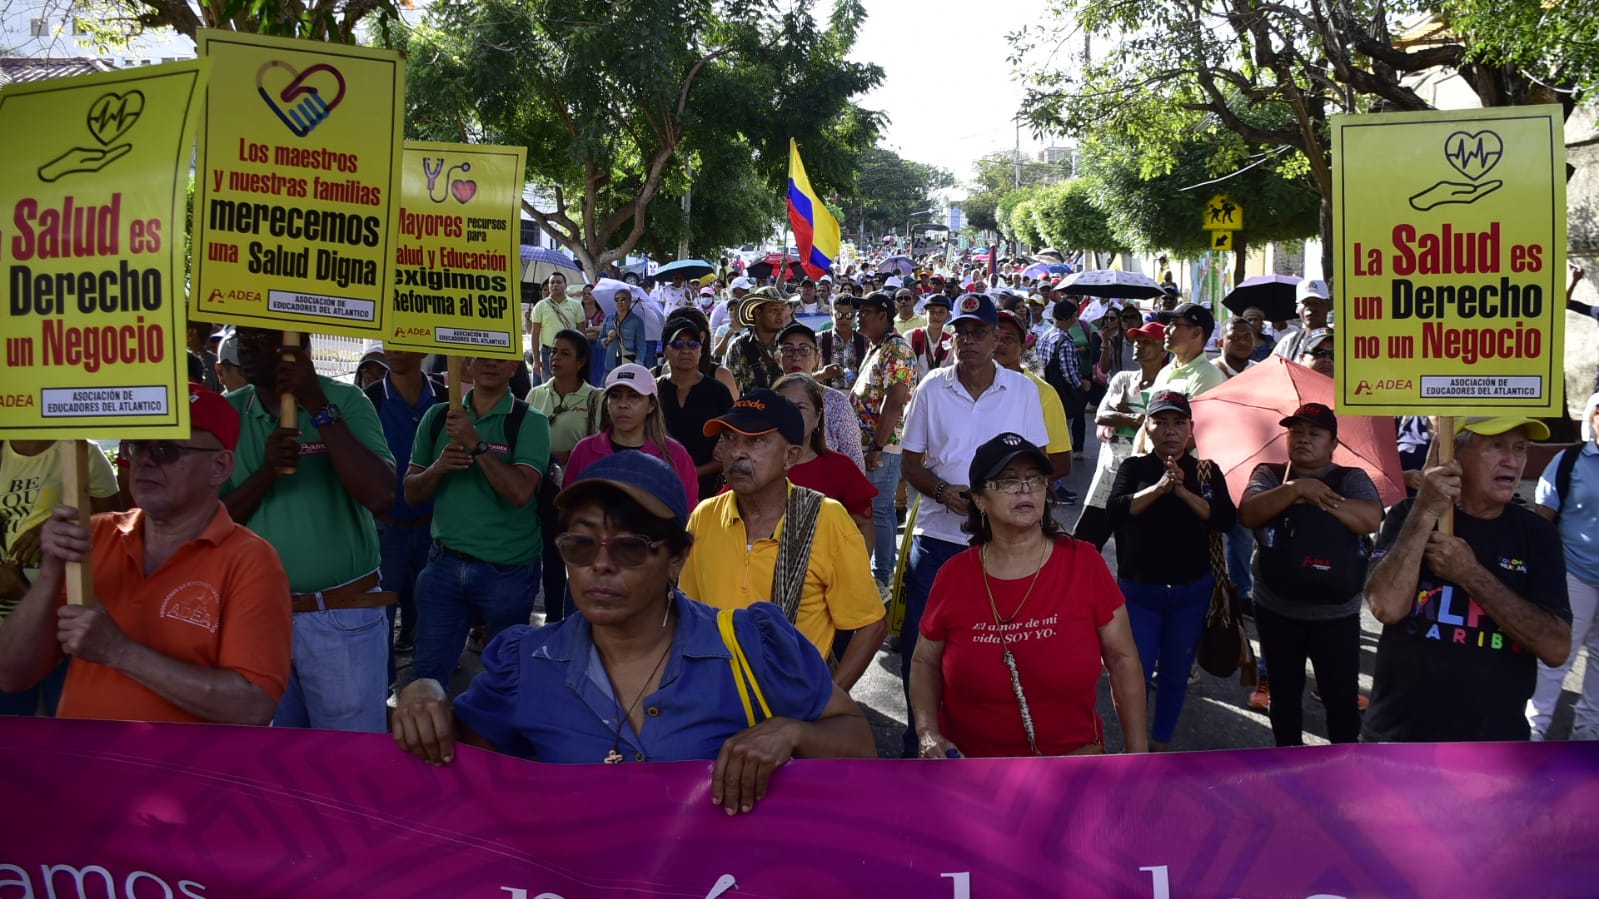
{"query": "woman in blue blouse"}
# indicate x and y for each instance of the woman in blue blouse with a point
(641, 672)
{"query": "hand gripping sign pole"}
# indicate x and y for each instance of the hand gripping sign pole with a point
(75, 493)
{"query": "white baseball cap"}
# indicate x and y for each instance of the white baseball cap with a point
(1312, 287)
(741, 284)
(893, 282)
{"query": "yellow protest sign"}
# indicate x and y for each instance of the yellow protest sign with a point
(1223, 213)
(296, 194)
(1450, 230)
(95, 175)
(456, 262)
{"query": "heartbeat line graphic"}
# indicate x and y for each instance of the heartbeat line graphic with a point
(1464, 152)
(108, 113)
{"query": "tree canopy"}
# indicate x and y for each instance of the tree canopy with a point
(317, 20)
(624, 108)
(889, 190)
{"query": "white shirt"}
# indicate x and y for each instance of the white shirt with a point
(672, 297)
(947, 426)
(719, 315)
(1227, 372)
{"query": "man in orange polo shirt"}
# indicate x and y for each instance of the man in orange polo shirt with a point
(191, 620)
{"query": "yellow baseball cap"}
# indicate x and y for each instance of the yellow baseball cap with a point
(1489, 426)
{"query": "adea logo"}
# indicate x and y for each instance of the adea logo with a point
(1370, 387)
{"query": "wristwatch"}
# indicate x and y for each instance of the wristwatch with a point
(875, 447)
(330, 415)
(481, 448)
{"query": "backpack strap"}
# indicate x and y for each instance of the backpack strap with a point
(513, 425)
(794, 550)
(1568, 463)
(743, 673)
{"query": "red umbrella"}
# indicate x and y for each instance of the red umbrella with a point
(1237, 426)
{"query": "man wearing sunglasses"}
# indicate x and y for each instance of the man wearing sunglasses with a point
(311, 491)
(188, 620)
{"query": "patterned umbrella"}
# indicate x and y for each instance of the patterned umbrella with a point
(1108, 283)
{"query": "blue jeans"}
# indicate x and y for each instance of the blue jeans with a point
(404, 552)
(1240, 543)
(40, 699)
(928, 554)
(884, 524)
(450, 589)
(597, 367)
(1167, 623)
(337, 680)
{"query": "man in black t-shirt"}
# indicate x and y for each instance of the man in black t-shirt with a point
(1466, 618)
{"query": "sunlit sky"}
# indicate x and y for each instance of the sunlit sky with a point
(947, 86)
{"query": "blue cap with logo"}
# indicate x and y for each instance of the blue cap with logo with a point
(975, 307)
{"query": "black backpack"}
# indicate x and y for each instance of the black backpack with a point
(513, 426)
(1308, 555)
(1568, 461)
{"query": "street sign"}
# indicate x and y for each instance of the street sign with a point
(1221, 240)
(1223, 213)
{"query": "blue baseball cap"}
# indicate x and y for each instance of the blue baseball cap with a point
(975, 307)
(646, 480)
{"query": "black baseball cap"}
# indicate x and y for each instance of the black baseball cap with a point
(1169, 401)
(992, 457)
(761, 412)
(1193, 314)
(799, 328)
(1314, 414)
(876, 300)
(937, 299)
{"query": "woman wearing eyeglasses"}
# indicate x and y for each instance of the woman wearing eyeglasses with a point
(641, 672)
(689, 399)
(1164, 507)
(799, 352)
(1018, 627)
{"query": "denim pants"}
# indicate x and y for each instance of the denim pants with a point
(597, 367)
(337, 681)
(1333, 647)
(450, 589)
(1546, 696)
(403, 549)
(40, 699)
(1240, 545)
(928, 554)
(885, 525)
(1167, 621)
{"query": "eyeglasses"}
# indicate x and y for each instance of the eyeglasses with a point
(800, 350)
(684, 344)
(973, 334)
(627, 550)
(160, 452)
(1015, 486)
(1322, 354)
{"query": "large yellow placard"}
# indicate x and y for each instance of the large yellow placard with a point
(456, 263)
(1450, 229)
(93, 179)
(296, 200)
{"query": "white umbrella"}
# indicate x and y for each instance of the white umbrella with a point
(1094, 311)
(605, 291)
(1110, 283)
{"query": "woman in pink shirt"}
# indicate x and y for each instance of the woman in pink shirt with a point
(631, 420)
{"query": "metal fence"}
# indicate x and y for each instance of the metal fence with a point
(336, 357)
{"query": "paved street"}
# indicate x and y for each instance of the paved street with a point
(1216, 716)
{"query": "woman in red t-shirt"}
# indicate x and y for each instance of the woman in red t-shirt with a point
(819, 468)
(1018, 627)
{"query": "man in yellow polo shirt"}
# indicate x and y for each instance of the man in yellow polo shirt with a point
(739, 538)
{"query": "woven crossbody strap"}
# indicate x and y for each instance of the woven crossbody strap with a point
(794, 550)
(749, 689)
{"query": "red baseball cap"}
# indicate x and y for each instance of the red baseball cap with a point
(1153, 331)
(208, 411)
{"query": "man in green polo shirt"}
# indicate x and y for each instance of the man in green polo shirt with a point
(482, 468)
(311, 491)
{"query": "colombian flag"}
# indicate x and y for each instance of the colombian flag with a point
(816, 232)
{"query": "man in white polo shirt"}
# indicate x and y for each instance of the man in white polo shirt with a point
(955, 410)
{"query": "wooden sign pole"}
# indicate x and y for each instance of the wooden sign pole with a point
(75, 493)
(288, 409)
(457, 369)
(1444, 439)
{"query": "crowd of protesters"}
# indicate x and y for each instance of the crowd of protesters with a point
(703, 510)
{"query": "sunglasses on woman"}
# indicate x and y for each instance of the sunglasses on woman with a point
(684, 344)
(627, 550)
(160, 452)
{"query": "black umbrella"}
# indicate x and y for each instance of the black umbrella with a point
(1274, 295)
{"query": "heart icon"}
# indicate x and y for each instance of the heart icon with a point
(304, 99)
(1473, 154)
(463, 190)
(111, 115)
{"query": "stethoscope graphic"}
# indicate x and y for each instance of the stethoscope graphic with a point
(436, 167)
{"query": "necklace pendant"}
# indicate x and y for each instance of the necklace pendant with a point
(613, 757)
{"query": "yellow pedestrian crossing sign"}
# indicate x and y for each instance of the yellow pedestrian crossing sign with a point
(1221, 240)
(1223, 213)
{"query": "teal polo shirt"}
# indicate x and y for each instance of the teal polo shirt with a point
(324, 537)
(469, 515)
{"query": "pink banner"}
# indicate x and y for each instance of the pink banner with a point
(140, 811)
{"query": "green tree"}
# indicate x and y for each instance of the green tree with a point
(996, 175)
(612, 100)
(112, 22)
(889, 189)
(1068, 216)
